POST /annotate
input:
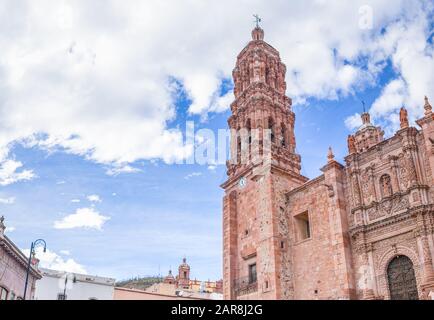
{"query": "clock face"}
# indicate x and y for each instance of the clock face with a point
(242, 182)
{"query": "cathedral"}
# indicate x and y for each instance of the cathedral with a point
(363, 229)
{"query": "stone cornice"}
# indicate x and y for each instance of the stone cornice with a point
(393, 196)
(16, 253)
(305, 186)
(333, 164)
(405, 215)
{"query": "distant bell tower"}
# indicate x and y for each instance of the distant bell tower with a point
(184, 275)
(264, 166)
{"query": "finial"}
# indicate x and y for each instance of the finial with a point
(427, 107)
(363, 104)
(403, 118)
(257, 20)
(330, 155)
(257, 33)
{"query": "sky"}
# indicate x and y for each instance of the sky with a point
(95, 97)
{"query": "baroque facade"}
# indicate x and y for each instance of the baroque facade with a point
(361, 230)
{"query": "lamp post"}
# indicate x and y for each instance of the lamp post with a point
(35, 244)
(74, 280)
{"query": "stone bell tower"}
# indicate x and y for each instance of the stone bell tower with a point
(262, 169)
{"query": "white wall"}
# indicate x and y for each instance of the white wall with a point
(50, 286)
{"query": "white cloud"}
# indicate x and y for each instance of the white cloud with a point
(52, 260)
(10, 200)
(82, 218)
(75, 200)
(353, 122)
(98, 85)
(10, 229)
(193, 174)
(406, 43)
(212, 167)
(65, 252)
(9, 172)
(125, 168)
(94, 198)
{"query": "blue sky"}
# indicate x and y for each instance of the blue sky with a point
(96, 105)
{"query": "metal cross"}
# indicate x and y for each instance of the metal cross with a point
(257, 20)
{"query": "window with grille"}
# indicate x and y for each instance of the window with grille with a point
(252, 273)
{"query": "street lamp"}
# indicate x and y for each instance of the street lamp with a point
(74, 280)
(35, 244)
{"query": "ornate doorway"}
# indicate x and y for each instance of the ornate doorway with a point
(402, 281)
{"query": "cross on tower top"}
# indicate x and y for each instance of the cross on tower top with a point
(257, 20)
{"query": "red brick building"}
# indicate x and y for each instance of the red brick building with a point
(361, 230)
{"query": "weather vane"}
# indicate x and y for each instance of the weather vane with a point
(257, 20)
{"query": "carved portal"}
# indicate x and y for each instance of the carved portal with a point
(402, 280)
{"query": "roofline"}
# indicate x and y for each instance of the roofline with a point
(20, 256)
(157, 294)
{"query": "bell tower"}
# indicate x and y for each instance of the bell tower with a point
(263, 167)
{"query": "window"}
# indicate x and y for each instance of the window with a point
(252, 273)
(3, 293)
(303, 226)
(12, 296)
(185, 274)
(249, 131)
(271, 127)
(61, 296)
(283, 136)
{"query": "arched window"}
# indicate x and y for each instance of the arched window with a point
(271, 127)
(249, 131)
(238, 146)
(386, 185)
(283, 141)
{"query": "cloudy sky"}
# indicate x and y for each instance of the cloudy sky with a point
(95, 95)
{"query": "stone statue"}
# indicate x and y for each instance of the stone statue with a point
(386, 186)
(403, 118)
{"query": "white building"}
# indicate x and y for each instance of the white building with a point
(60, 285)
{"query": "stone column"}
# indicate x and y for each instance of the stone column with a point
(421, 233)
(362, 248)
(370, 249)
(394, 171)
(355, 187)
(368, 292)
